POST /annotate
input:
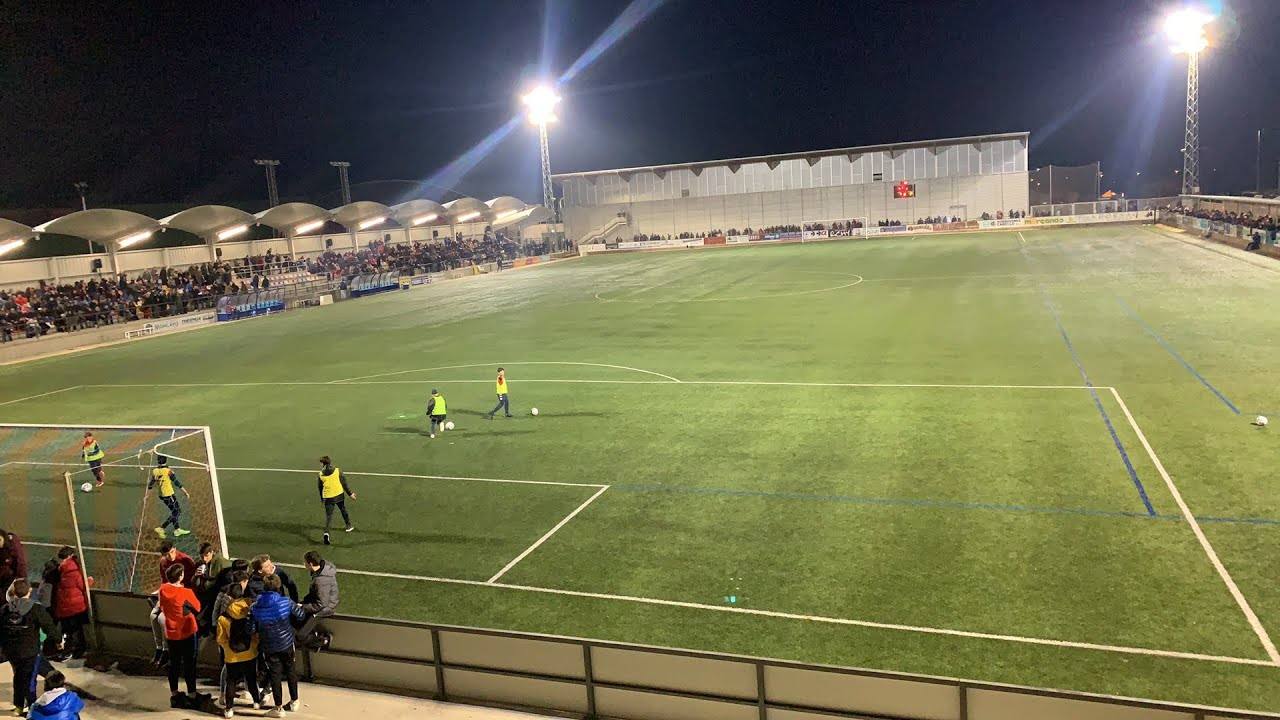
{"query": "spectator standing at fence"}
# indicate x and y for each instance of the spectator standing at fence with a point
(71, 604)
(13, 558)
(180, 606)
(321, 600)
(262, 567)
(170, 556)
(274, 615)
(238, 640)
(58, 701)
(21, 622)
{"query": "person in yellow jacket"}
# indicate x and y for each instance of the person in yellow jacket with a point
(238, 639)
(92, 453)
(333, 488)
(501, 388)
(437, 411)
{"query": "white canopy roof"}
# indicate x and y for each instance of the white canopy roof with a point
(207, 221)
(101, 225)
(419, 212)
(470, 208)
(353, 214)
(10, 231)
(289, 216)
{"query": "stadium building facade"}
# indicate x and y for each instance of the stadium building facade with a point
(903, 182)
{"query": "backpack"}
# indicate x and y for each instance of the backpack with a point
(239, 639)
(14, 625)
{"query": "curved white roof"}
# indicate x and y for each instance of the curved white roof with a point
(419, 212)
(289, 216)
(353, 214)
(101, 225)
(531, 214)
(10, 231)
(467, 207)
(208, 220)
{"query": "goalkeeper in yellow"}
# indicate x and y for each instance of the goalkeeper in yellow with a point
(333, 491)
(164, 478)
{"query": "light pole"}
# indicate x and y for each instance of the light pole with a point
(343, 181)
(541, 103)
(1185, 28)
(82, 187)
(273, 192)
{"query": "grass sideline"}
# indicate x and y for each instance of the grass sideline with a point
(914, 451)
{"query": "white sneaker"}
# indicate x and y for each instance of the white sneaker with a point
(433, 436)
(228, 713)
(275, 712)
(292, 706)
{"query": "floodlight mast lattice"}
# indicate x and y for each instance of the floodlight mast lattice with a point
(541, 104)
(1185, 29)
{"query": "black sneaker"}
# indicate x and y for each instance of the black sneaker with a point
(326, 539)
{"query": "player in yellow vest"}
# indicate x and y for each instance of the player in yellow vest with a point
(333, 491)
(437, 409)
(503, 403)
(92, 454)
(167, 481)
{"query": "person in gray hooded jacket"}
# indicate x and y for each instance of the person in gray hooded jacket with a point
(321, 601)
(21, 622)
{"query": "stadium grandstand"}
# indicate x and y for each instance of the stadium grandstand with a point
(892, 184)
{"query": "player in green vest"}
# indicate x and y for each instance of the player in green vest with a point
(436, 409)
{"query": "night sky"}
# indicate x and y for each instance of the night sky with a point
(170, 102)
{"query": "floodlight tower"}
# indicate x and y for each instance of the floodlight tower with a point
(273, 192)
(1185, 28)
(541, 103)
(343, 182)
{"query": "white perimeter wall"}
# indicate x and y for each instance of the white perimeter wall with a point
(70, 268)
(965, 196)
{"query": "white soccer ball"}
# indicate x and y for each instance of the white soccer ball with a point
(1260, 421)
(448, 425)
(534, 411)
(87, 487)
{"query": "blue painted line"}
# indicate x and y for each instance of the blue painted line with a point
(1097, 401)
(1169, 348)
(927, 503)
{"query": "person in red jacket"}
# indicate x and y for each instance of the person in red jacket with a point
(71, 601)
(13, 559)
(179, 606)
(169, 556)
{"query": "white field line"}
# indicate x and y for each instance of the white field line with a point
(471, 365)
(547, 536)
(769, 383)
(1249, 615)
(422, 477)
(85, 426)
(949, 632)
(33, 397)
(114, 464)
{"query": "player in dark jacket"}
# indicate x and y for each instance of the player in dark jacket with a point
(21, 622)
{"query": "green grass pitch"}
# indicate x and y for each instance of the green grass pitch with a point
(875, 453)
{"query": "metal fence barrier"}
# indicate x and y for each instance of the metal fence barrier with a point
(592, 678)
(1102, 206)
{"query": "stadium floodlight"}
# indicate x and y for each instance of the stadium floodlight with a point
(135, 238)
(1185, 29)
(469, 216)
(366, 224)
(506, 214)
(12, 245)
(424, 219)
(233, 231)
(541, 103)
(308, 227)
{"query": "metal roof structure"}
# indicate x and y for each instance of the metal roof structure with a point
(211, 221)
(812, 156)
(104, 226)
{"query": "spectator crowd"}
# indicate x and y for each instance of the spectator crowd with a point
(250, 608)
(1269, 223)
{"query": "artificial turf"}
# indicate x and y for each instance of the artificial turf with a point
(828, 451)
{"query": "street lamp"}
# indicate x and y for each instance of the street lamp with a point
(1185, 30)
(541, 105)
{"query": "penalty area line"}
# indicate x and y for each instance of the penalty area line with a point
(547, 536)
(422, 477)
(45, 394)
(1234, 589)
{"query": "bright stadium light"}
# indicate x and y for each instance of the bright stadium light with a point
(469, 216)
(506, 214)
(233, 232)
(308, 227)
(424, 219)
(365, 225)
(12, 245)
(135, 238)
(541, 104)
(1185, 29)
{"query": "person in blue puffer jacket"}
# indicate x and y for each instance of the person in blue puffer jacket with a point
(58, 702)
(274, 615)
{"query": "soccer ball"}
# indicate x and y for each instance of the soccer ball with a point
(87, 487)
(1260, 421)
(534, 411)
(448, 425)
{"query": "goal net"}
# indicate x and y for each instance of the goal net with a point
(112, 528)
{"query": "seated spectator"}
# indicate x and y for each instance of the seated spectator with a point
(58, 702)
(321, 600)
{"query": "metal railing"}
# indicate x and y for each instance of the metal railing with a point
(1102, 206)
(597, 678)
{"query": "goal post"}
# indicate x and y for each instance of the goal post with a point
(113, 527)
